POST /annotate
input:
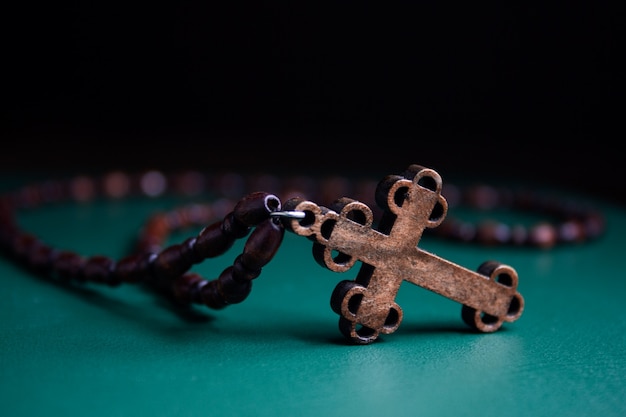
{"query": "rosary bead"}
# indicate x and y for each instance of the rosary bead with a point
(242, 273)
(8, 233)
(100, 269)
(22, 245)
(157, 228)
(212, 241)
(232, 226)
(255, 207)
(211, 297)
(41, 258)
(231, 290)
(135, 268)
(69, 266)
(171, 263)
(188, 251)
(186, 288)
(262, 244)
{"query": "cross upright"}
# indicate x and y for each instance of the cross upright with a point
(343, 234)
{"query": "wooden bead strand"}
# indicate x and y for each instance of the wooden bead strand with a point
(168, 268)
(565, 222)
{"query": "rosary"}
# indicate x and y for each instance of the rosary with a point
(382, 234)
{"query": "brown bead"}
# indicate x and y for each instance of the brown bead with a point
(8, 231)
(171, 262)
(231, 290)
(68, 266)
(255, 207)
(185, 288)
(188, 251)
(243, 273)
(22, 245)
(41, 258)
(135, 268)
(212, 241)
(232, 226)
(262, 244)
(100, 269)
(211, 296)
(157, 228)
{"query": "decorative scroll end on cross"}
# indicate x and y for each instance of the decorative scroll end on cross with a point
(343, 234)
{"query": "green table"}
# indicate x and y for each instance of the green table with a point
(97, 351)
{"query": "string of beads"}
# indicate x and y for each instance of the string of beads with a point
(167, 268)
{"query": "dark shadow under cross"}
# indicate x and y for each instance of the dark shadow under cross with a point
(343, 234)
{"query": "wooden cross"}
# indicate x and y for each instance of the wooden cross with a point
(343, 234)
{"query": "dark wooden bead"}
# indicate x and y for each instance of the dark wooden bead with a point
(188, 251)
(186, 288)
(255, 207)
(135, 268)
(41, 258)
(262, 244)
(243, 273)
(171, 263)
(8, 233)
(69, 266)
(231, 290)
(212, 241)
(232, 226)
(100, 269)
(211, 296)
(22, 244)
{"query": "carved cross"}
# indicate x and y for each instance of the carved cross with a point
(343, 235)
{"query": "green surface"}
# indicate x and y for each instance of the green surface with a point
(96, 351)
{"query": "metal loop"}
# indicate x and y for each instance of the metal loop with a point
(291, 214)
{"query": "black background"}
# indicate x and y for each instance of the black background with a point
(492, 91)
